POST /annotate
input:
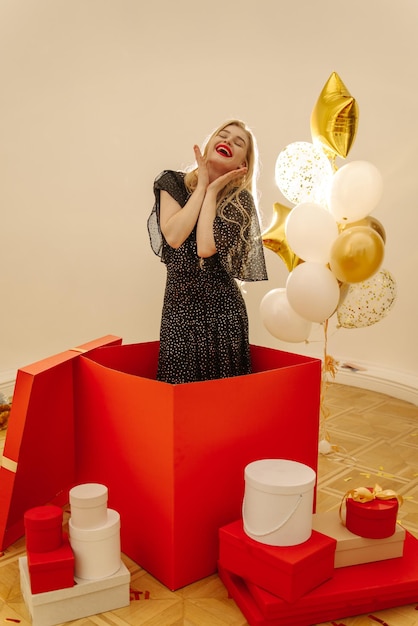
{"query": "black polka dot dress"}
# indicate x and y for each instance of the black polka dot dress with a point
(204, 324)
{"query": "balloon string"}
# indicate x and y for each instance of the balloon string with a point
(329, 368)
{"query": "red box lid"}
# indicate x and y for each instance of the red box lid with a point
(43, 517)
(374, 509)
(38, 458)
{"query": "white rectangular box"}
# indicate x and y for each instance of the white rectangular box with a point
(87, 597)
(354, 550)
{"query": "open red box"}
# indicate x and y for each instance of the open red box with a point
(173, 456)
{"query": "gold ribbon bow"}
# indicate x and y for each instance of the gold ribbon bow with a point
(363, 494)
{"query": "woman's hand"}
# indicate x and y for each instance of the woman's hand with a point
(219, 183)
(203, 174)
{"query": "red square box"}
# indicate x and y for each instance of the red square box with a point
(288, 572)
(351, 591)
(52, 570)
(173, 456)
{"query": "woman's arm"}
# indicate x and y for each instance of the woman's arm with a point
(177, 222)
(206, 245)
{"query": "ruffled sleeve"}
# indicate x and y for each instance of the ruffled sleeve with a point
(172, 182)
(238, 240)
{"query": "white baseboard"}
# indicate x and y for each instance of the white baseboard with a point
(399, 385)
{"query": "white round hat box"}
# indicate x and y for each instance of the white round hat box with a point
(97, 551)
(88, 503)
(278, 502)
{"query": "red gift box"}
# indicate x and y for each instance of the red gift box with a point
(43, 527)
(53, 570)
(288, 572)
(178, 452)
(351, 591)
(374, 519)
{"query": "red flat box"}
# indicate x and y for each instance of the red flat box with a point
(173, 456)
(288, 572)
(49, 571)
(352, 591)
(375, 519)
(43, 526)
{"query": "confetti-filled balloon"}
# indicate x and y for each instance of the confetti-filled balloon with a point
(356, 254)
(366, 303)
(275, 239)
(303, 173)
(334, 119)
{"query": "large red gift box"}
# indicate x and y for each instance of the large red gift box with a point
(351, 591)
(288, 572)
(53, 570)
(172, 456)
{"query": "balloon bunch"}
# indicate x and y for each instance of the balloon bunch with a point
(331, 245)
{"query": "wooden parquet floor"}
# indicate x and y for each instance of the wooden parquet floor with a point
(374, 439)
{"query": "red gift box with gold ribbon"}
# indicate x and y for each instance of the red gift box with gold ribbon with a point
(371, 511)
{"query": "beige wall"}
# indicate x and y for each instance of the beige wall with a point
(97, 96)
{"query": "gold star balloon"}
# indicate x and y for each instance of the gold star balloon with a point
(334, 119)
(274, 238)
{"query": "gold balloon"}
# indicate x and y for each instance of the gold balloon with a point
(356, 254)
(334, 119)
(372, 222)
(274, 238)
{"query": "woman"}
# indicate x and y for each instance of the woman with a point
(205, 228)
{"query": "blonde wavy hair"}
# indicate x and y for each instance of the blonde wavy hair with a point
(233, 189)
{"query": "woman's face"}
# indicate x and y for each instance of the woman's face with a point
(227, 149)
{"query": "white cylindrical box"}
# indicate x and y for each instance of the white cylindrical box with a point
(278, 502)
(96, 550)
(88, 504)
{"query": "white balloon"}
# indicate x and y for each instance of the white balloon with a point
(355, 190)
(310, 232)
(324, 447)
(313, 291)
(281, 320)
(303, 173)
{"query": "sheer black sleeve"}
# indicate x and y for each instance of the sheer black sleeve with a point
(173, 183)
(238, 239)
